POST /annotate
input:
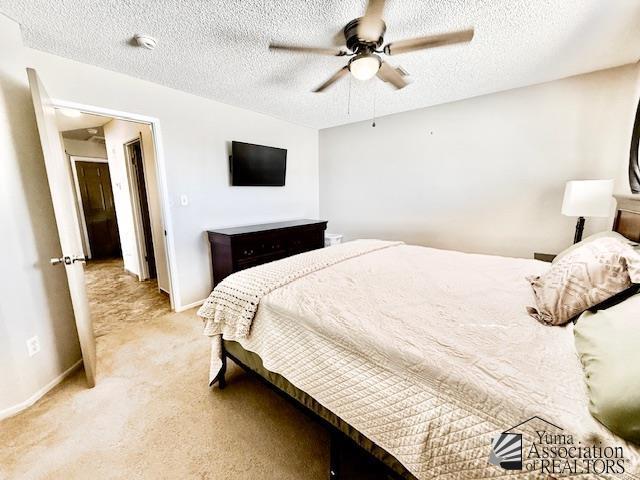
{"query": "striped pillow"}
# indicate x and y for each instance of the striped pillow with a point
(586, 276)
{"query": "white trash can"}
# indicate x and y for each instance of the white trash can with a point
(332, 239)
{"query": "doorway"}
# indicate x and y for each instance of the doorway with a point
(69, 214)
(140, 197)
(93, 183)
(117, 201)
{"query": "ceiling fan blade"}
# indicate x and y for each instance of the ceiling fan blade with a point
(318, 50)
(371, 25)
(334, 78)
(337, 39)
(393, 75)
(431, 41)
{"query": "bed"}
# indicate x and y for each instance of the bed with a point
(419, 356)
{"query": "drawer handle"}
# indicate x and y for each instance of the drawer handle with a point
(248, 252)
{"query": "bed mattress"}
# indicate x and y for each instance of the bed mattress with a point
(431, 355)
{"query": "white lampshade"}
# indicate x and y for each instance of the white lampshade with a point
(587, 198)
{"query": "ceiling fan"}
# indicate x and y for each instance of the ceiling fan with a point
(364, 37)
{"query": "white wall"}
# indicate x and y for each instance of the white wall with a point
(34, 297)
(84, 148)
(195, 134)
(481, 175)
(117, 133)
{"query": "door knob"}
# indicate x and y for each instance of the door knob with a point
(68, 260)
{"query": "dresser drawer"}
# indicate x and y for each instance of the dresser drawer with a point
(254, 246)
(259, 260)
(305, 241)
(237, 248)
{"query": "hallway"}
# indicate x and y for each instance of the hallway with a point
(117, 299)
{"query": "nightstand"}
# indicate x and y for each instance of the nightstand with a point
(545, 257)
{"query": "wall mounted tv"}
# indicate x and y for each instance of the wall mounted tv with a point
(257, 165)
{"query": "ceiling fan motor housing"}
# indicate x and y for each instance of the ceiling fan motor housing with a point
(355, 44)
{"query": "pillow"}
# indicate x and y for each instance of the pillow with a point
(607, 344)
(583, 278)
(591, 238)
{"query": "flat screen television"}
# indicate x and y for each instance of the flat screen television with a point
(257, 165)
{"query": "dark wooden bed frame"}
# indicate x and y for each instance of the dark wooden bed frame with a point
(627, 219)
(626, 222)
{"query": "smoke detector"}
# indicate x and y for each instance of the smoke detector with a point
(145, 41)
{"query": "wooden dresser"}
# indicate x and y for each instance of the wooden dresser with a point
(237, 248)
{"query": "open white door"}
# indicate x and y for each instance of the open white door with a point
(61, 186)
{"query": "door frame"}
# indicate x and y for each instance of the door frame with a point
(83, 223)
(162, 184)
(134, 194)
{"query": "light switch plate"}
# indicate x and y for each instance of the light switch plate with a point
(184, 200)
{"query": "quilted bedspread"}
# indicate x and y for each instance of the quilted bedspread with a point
(429, 353)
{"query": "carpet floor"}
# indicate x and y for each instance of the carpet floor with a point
(151, 414)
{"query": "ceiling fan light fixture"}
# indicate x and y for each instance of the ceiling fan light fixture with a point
(364, 66)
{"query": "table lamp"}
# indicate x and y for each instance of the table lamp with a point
(587, 198)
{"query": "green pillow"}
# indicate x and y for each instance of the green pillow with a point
(608, 344)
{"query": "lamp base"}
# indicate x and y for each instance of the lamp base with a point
(579, 229)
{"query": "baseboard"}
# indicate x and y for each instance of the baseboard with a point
(190, 306)
(134, 275)
(15, 409)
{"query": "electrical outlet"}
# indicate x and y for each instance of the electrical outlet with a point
(33, 345)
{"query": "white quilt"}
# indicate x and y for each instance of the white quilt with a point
(429, 353)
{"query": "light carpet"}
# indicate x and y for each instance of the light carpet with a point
(151, 414)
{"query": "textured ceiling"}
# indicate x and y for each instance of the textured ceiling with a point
(218, 49)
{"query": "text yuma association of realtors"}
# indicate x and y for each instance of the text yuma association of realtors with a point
(558, 454)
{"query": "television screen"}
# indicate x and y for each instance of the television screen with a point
(257, 165)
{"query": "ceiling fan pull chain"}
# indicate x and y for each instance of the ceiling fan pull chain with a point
(374, 103)
(349, 98)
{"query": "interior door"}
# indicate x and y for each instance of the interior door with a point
(62, 196)
(94, 183)
(135, 153)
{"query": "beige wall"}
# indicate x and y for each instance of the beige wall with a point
(117, 133)
(34, 298)
(481, 175)
(196, 134)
